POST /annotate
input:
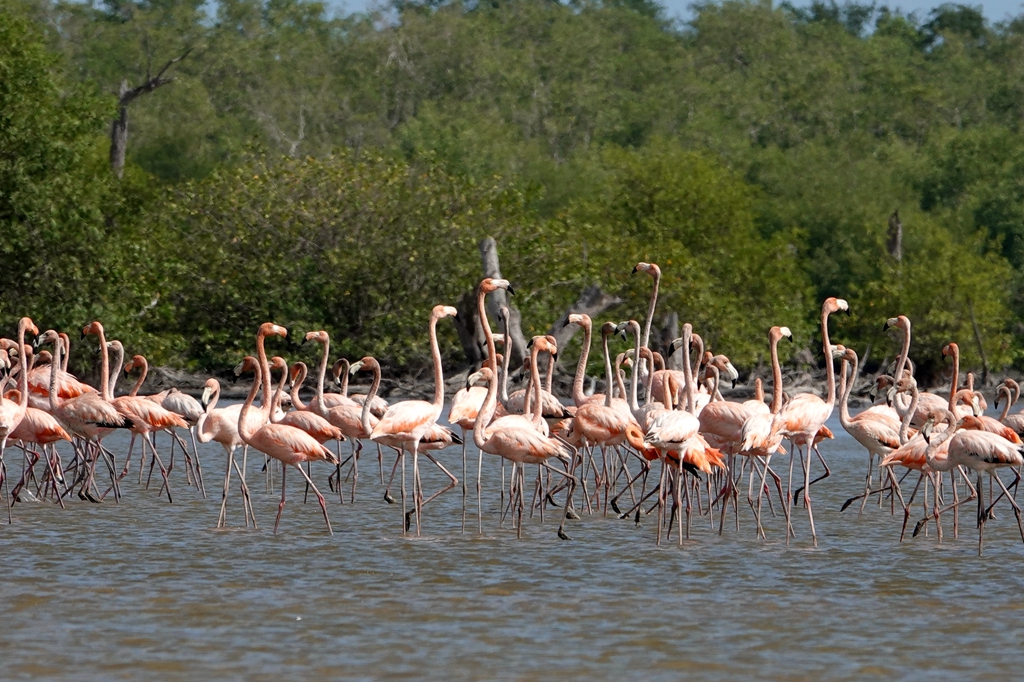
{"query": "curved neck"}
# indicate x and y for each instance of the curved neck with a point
(904, 352)
(845, 389)
(550, 377)
(279, 392)
(300, 379)
(142, 378)
(344, 376)
(649, 379)
(264, 371)
(67, 351)
(620, 385)
(435, 353)
(245, 430)
(581, 368)
(687, 372)
(716, 377)
(485, 324)
(607, 370)
(830, 370)
(214, 397)
(115, 370)
(364, 416)
(506, 362)
(481, 430)
(1005, 391)
(909, 416)
(698, 341)
(650, 308)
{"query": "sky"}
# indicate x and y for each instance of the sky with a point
(994, 10)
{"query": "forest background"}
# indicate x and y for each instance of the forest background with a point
(184, 171)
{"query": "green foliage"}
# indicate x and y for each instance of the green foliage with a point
(756, 153)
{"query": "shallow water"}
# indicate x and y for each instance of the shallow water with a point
(144, 589)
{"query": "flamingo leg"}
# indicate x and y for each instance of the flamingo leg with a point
(280, 507)
(319, 497)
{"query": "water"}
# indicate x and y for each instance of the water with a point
(147, 590)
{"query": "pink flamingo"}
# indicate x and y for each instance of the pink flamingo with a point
(12, 413)
(807, 413)
(85, 416)
(405, 424)
(286, 444)
(1011, 390)
(518, 444)
(340, 372)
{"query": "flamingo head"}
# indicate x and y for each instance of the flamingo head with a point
(28, 325)
(209, 388)
(951, 350)
(835, 305)
(369, 362)
(297, 369)
(650, 268)
(608, 328)
(777, 333)
(95, 327)
(270, 329)
(47, 337)
(136, 361)
(581, 319)
(318, 336)
(489, 284)
(339, 368)
(483, 376)
(248, 364)
(277, 362)
(442, 311)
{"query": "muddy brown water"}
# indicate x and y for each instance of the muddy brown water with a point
(144, 589)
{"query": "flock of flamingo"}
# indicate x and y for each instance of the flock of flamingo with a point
(602, 446)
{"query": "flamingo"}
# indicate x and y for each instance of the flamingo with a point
(807, 413)
(517, 444)
(286, 444)
(1011, 390)
(981, 451)
(405, 424)
(877, 431)
(84, 416)
(927, 402)
(12, 413)
(340, 372)
(220, 425)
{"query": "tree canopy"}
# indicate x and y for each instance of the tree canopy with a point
(337, 170)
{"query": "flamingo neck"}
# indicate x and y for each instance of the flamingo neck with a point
(776, 405)
(1004, 390)
(115, 369)
(649, 379)
(67, 351)
(506, 361)
(581, 368)
(650, 308)
(23, 365)
(279, 393)
(607, 370)
(634, 379)
(245, 430)
(758, 390)
(58, 346)
(845, 389)
(955, 382)
(345, 366)
(481, 311)
(364, 416)
(300, 379)
(214, 397)
(904, 351)
(264, 372)
(435, 353)
(830, 370)
(687, 370)
(321, 406)
(536, 410)
(104, 365)
(915, 396)
(142, 378)
(551, 373)
(481, 431)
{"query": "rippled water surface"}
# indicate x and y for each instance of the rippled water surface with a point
(144, 589)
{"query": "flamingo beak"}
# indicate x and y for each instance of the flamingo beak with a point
(634, 270)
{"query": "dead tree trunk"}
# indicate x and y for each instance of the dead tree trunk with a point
(591, 302)
(125, 96)
(499, 299)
